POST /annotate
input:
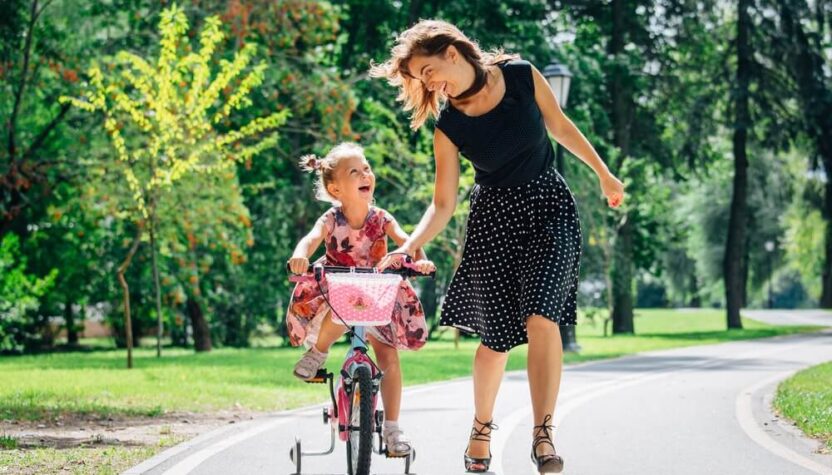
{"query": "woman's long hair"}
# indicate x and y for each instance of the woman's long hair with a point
(429, 38)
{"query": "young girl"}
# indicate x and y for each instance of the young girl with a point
(355, 233)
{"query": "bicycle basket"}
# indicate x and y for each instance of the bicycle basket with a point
(363, 299)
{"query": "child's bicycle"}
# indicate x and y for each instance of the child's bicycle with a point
(359, 297)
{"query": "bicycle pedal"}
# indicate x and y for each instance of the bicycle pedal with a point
(396, 456)
(319, 378)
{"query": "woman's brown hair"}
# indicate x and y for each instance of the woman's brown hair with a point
(429, 38)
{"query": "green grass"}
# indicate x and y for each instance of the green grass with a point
(84, 460)
(7, 442)
(97, 384)
(806, 399)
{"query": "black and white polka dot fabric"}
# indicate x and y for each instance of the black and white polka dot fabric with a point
(523, 239)
(521, 258)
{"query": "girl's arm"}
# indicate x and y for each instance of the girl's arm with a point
(565, 132)
(441, 210)
(299, 263)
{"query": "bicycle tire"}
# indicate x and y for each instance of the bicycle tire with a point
(360, 440)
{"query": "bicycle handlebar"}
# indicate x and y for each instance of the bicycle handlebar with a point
(407, 271)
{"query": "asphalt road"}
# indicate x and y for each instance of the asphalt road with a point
(698, 410)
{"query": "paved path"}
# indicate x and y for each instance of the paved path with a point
(698, 410)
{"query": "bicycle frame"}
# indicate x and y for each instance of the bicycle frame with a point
(356, 356)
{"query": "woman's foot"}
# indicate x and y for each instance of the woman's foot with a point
(479, 444)
(309, 364)
(543, 449)
(397, 444)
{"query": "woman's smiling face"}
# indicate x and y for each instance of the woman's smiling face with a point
(446, 73)
(354, 180)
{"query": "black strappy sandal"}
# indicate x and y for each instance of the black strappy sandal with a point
(546, 463)
(482, 436)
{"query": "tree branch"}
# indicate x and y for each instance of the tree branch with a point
(41, 138)
(27, 50)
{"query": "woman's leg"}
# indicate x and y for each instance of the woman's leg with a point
(391, 385)
(489, 366)
(545, 363)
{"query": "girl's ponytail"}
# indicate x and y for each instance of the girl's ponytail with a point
(310, 163)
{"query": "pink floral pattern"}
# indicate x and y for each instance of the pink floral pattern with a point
(362, 248)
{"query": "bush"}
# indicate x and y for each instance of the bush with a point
(20, 327)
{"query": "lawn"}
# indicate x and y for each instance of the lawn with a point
(96, 384)
(80, 460)
(806, 399)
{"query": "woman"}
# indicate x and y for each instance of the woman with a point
(518, 277)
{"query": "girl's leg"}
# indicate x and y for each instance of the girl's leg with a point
(489, 366)
(329, 333)
(391, 394)
(387, 358)
(545, 362)
(314, 359)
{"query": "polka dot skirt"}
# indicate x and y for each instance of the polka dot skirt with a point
(521, 258)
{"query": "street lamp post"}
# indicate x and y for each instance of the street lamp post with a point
(560, 78)
(769, 251)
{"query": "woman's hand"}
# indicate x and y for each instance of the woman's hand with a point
(424, 266)
(613, 190)
(298, 265)
(394, 259)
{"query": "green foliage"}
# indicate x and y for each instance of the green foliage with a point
(19, 293)
(177, 88)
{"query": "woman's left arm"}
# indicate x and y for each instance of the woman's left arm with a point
(566, 134)
(397, 234)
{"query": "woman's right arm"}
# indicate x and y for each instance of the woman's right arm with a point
(441, 210)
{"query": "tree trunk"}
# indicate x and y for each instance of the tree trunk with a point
(71, 326)
(693, 289)
(621, 274)
(622, 266)
(159, 325)
(128, 321)
(202, 334)
(737, 225)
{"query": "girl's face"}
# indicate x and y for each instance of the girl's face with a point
(447, 73)
(354, 181)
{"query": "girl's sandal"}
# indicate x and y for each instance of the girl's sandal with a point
(397, 444)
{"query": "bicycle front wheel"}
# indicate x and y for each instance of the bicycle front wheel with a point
(360, 441)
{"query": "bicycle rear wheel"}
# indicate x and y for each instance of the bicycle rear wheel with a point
(360, 441)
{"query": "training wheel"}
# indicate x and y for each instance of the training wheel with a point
(409, 459)
(295, 455)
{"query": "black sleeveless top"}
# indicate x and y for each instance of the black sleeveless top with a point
(507, 145)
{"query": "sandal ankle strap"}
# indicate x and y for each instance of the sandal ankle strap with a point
(480, 434)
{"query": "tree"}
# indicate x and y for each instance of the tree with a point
(801, 44)
(162, 121)
(34, 69)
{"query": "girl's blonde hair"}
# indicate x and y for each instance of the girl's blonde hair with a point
(324, 168)
(429, 38)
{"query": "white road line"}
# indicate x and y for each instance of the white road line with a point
(191, 462)
(752, 429)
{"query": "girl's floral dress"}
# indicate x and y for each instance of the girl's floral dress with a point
(363, 247)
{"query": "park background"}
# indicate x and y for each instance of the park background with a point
(148, 168)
